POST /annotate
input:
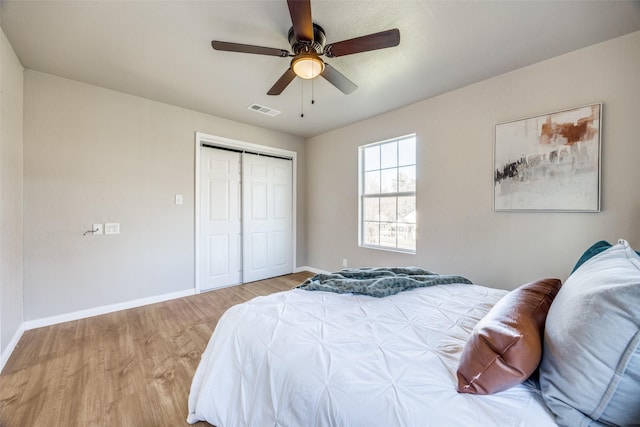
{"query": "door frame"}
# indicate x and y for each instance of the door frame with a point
(227, 143)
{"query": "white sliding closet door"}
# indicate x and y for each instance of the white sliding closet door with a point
(220, 218)
(267, 206)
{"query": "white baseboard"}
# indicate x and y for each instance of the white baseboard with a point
(11, 346)
(82, 314)
(311, 269)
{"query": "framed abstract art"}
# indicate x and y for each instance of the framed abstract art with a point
(549, 162)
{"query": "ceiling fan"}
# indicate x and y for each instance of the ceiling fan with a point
(307, 41)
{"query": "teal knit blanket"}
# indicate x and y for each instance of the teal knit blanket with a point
(378, 282)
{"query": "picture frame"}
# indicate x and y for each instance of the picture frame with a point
(549, 162)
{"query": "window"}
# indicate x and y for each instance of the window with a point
(388, 194)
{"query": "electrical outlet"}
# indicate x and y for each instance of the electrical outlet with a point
(344, 262)
(112, 228)
(97, 229)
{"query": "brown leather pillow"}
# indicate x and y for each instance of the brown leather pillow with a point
(505, 347)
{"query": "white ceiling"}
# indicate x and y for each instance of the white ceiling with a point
(161, 50)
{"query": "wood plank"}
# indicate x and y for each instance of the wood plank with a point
(129, 368)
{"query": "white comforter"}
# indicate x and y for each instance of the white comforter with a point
(301, 358)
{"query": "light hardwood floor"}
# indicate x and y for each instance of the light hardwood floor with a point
(129, 368)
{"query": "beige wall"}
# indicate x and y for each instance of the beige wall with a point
(11, 181)
(93, 156)
(458, 231)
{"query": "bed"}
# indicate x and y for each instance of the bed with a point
(314, 358)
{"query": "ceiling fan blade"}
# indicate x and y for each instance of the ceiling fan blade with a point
(247, 48)
(338, 79)
(282, 82)
(300, 11)
(381, 40)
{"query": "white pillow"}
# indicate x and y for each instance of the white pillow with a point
(590, 369)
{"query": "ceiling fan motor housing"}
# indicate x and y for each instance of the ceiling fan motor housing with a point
(308, 46)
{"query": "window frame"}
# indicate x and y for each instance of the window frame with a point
(362, 196)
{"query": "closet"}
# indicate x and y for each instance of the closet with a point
(245, 217)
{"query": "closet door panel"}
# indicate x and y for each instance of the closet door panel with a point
(220, 218)
(267, 229)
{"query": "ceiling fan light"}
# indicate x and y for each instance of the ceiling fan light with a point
(307, 66)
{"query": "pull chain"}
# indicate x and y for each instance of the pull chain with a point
(313, 101)
(302, 98)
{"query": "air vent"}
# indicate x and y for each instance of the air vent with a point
(264, 110)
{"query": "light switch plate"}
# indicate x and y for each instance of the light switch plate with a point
(97, 229)
(179, 199)
(112, 228)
